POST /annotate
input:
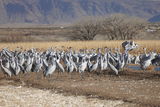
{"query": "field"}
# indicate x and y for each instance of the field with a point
(131, 88)
(45, 33)
(151, 45)
(32, 34)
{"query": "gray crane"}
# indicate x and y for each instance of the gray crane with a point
(82, 66)
(6, 70)
(51, 68)
(112, 67)
(94, 67)
(146, 60)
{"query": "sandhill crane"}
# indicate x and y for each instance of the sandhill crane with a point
(121, 63)
(59, 65)
(51, 68)
(29, 65)
(101, 63)
(71, 66)
(129, 45)
(156, 61)
(7, 52)
(37, 65)
(45, 63)
(146, 61)
(7, 63)
(13, 62)
(112, 67)
(94, 66)
(105, 63)
(6, 70)
(21, 59)
(82, 66)
(89, 64)
(67, 63)
(17, 68)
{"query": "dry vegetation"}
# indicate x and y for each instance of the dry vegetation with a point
(151, 45)
(114, 27)
(117, 27)
(32, 34)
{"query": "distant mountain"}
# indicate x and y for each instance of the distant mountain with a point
(54, 11)
(155, 18)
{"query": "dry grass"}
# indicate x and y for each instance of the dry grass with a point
(151, 45)
(74, 44)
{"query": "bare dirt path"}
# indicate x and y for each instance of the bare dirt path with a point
(132, 89)
(18, 96)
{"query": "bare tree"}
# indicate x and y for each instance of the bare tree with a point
(86, 30)
(119, 28)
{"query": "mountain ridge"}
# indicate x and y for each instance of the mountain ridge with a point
(54, 11)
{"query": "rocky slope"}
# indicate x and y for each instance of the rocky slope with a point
(51, 11)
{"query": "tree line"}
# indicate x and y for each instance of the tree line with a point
(114, 27)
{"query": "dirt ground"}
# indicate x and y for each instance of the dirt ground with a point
(131, 87)
(18, 96)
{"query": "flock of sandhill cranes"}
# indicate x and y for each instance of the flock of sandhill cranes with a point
(14, 62)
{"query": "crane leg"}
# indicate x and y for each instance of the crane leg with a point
(82, 76)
